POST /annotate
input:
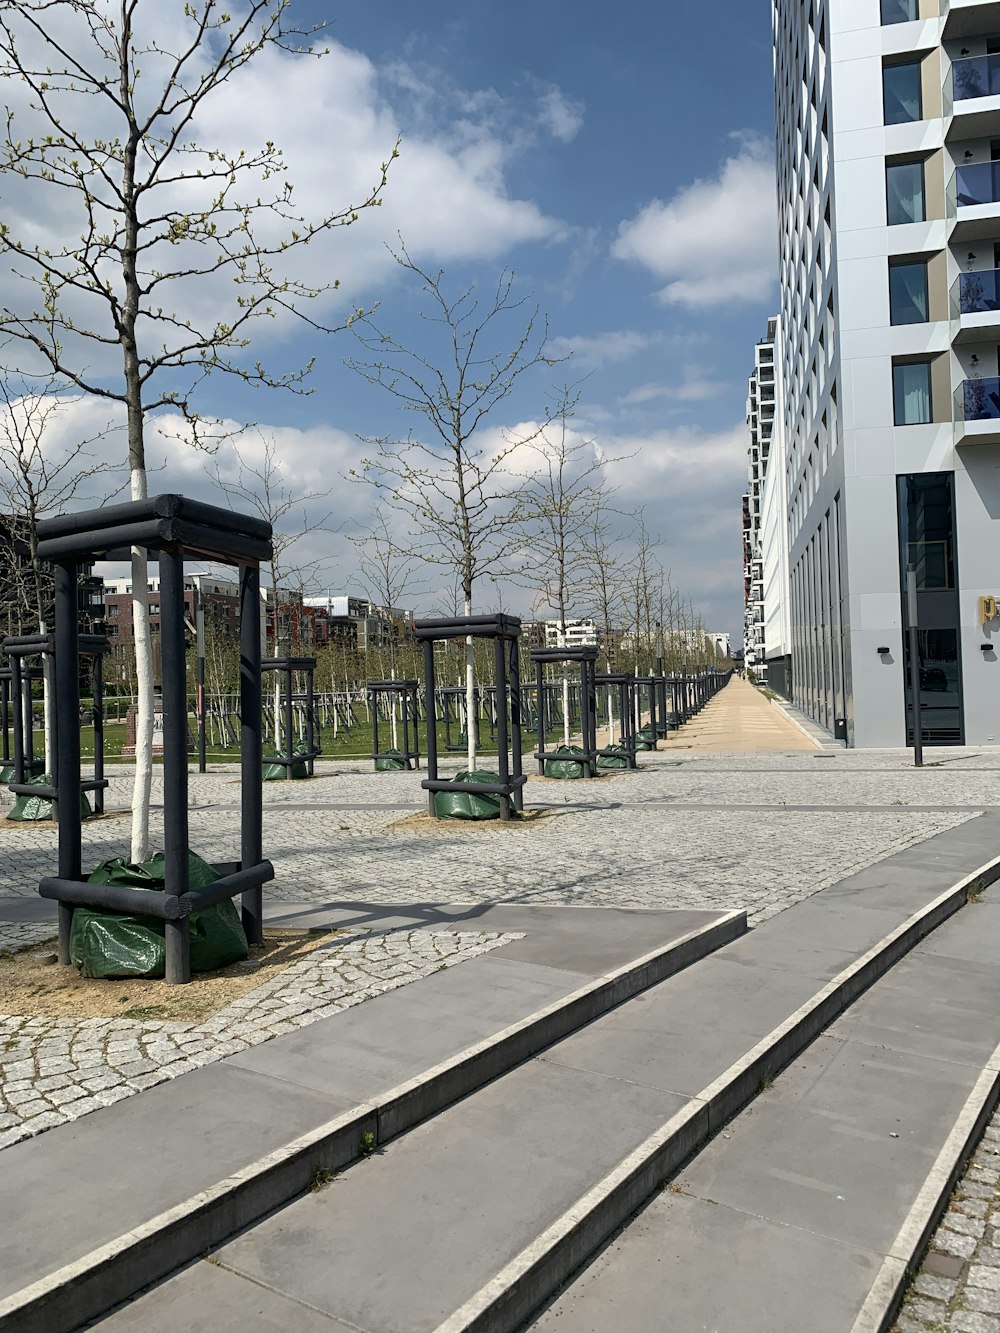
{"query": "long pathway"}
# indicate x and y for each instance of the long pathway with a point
(740, 720)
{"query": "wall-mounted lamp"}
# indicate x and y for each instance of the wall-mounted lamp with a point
(883, 652)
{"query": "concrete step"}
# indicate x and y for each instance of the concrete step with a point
(116, 1200)
(823, 1194)
(475, 1218)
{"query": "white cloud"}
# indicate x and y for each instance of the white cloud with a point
(561, 115)
(588, 351)
(715, 242)
(448, 193)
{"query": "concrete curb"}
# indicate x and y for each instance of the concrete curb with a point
(111, 1274)
(789, 715)
(507, 1302)
(907, 1250)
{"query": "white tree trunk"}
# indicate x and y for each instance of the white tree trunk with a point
(565, 704)
(142, 787)
(470, 694)
(393, 700)
(611, 716)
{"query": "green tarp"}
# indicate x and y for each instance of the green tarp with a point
(469, 804)
(117, 944)
(566, 768)
(645, 739)
(391, 762)
(613, 756)
(279, 773)
(34, 809)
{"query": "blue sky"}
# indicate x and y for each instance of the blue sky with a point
(617, 156)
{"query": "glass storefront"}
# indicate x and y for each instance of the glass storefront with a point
(927, 540)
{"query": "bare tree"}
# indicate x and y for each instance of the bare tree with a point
(452, 488)
(36, 478)
(604, 582)
(152, 217)
(389, 574)
(564, 489)
(261, 486)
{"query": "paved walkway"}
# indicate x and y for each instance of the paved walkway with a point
(740, 720)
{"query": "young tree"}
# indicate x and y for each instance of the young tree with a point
(604, 586)
(452, 488)
(149, 220)
(36, 478)
(564, 489)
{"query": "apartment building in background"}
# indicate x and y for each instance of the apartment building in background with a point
(888, 164)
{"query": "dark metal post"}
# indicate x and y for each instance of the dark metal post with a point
(98, 682)
(540, 715)
(503, 758)
(517, 745)
(310, 729)
(199, 634)
(252, 793)
(432, 741)
(17, 709)
(67, 778)
(289, 724)
(373, 707)
(5, 716)
(912, 617)
(175, 774)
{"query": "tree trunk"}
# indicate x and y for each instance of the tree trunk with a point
(470, 693)
(142, 786)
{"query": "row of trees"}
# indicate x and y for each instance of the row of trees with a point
(160, 256)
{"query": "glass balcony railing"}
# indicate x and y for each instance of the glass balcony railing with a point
(976, 293)
(978, 400)
(976, 76)
(976, 183)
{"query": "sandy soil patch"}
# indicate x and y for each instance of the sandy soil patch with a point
(30, 986)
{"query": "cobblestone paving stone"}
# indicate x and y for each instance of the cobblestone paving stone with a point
(615, 842)
(958, 1286)
(55, 1069)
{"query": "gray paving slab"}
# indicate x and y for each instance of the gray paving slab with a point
(722, 1279)
(366, 1051)
(29, 909)
(836, 1151)
(397, 1244)
(223, 1303)
(132, 1161)
(821, 1156)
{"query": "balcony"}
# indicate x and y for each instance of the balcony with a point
(977, 411)
(970, 18)
(972, 93)
(974, 201)
(975, 303)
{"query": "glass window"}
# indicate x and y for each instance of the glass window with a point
(901, 93)
(908, 293)
(911, 393)
(899, 11)
(904, 190)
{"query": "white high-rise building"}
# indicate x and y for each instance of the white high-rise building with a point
(888, 157)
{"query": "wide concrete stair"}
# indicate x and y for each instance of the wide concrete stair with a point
(107, 1204)
(860, 1027)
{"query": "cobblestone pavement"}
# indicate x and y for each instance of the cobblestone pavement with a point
(687, 830)
(58, 1069)
(958, 1286)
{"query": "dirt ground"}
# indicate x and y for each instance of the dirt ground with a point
(31, 987)
(428, 824)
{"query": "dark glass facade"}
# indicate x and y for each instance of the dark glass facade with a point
(928, 541)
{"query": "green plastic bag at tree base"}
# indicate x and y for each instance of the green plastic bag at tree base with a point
(35, 809)
(469, 804)
(279, 773)
(566, 768)
(645, 739)
(7, 771)
(391, 762)
(613, 756)
(121, 944)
